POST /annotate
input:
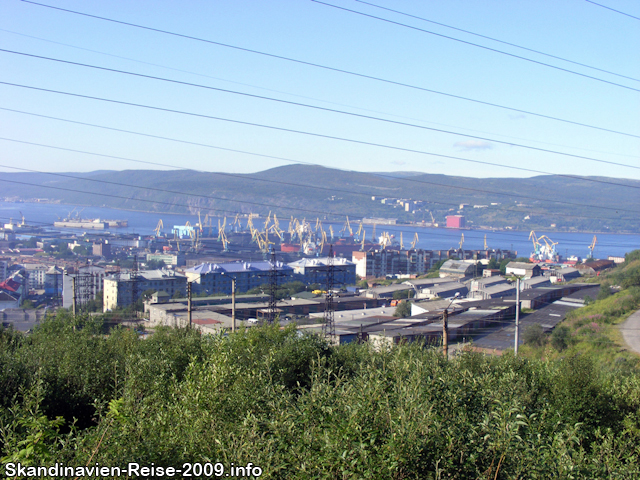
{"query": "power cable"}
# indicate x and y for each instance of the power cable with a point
(324, 109)
(361, 142)
(613, 9)
(245, 177)
(273, 157)
(472, 44)
(497, 40)
(338, 70)
(309, 98)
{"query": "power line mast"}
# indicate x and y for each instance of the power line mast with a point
(329, 327)
(273, 287)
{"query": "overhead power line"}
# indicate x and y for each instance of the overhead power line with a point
(613, 10)
(337, 70)
(293, 184)
(333, 137)
(315, 107)
(475, 45)
(498, 40)
(188, 205)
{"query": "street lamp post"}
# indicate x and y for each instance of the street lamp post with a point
(445, 328)
(233, 302)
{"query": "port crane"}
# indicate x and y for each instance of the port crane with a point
(415, 241)
(360, 230)
(592, 246)
(159, 228)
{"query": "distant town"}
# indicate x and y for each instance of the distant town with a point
(217, 278)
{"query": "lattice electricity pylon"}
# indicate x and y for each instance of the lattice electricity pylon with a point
(329, 327)
(273, 287)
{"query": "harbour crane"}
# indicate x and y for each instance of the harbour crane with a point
(360, 230)
(592, 246)
(415, 241)
(159, 227)
(199, 222)
(347, 227)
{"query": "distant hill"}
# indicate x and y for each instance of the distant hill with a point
(314, 191)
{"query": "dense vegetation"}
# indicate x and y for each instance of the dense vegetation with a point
(595, 329)
(300, 409)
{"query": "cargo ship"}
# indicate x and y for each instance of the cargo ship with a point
(91, 223)
(344, 246)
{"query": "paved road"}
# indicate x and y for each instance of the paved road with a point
(631, 331)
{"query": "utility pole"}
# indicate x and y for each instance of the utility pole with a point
(189, 307)
(445, 327)
(445, 333)
(329, 327)
(273, 288)
(517, 339)
(75, 295)
(233, 304)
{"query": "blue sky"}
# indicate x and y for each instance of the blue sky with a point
(309, 31)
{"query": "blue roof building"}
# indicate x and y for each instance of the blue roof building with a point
(213, 278)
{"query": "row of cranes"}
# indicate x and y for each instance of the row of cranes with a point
(312, 238)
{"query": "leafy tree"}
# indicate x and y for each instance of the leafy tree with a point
(403, 309)
(399, 295)
(534, 335)
(561, 337)
(605, 291)
(155, 264)
(493, 264)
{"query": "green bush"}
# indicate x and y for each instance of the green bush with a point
(301, 409)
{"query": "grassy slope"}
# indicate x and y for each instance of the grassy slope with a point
(594, 328)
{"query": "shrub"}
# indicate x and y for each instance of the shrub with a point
(534, 335)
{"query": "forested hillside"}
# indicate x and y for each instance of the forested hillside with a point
(595, 204)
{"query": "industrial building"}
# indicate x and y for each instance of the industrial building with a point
(213, 278)
(380, 263)
(456, 221)
(125, 289)
(526, 270)
(174, 259)
(314, 270)
(83, 284)
(458, 268)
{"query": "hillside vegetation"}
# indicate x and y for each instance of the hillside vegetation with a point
(594, 329)
(288, 190)
(300, 409)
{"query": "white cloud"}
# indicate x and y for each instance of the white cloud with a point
(474, 145)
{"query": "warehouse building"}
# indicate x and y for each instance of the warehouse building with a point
(212, 278)
(314, 270)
